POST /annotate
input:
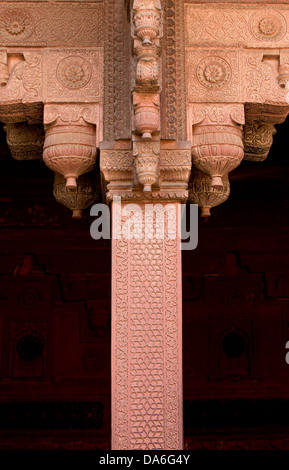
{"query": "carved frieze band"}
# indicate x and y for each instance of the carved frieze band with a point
(146, 339)
(237, 24)
(41, 24)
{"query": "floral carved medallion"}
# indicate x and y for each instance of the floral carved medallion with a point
(16, 25)
(268, 26)
(74, 72)
(213, 72)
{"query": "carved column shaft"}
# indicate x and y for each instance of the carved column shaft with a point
(146, 337)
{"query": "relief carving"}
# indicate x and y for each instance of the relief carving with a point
(146, 162)
(70, 140)
(74, 75)
(147, 119)
(25, 141)
(41, 24)
(217, 145)
(258, 138)
(213, 76)
(202, 193)
(77, 199)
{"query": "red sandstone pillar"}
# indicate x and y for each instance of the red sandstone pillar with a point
(146, 338)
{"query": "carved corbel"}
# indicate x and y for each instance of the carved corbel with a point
(70, 140)
(202, 193)
(217, 145)
(25, 141)
(116, 166)
(258, 138)
(175, 168)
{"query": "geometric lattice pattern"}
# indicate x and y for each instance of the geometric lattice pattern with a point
(146, 343)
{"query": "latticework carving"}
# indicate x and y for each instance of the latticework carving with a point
(146, 325)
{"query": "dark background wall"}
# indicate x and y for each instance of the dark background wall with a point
(55, 316)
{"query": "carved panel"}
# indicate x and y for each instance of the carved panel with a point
(213, 75)
(74, 75)
(250, 25)
(260, 79)
(25, 81)
(51, 24)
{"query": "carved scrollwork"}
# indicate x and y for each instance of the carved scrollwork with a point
(258, 138)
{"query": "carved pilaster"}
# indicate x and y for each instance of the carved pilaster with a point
(70, 140)
(217, 146)
(146, 335)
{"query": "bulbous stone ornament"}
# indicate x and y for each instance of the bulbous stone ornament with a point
(76, 199)
(146, 162)
(217, 145)
(146, 113)
(283, 75)
(202, 193)
(70, 150)
(147, 19)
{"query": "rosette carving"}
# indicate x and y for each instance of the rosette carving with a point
(202, 193)
(258, 138)
(146, 162)
(79, 198)
(217, 144)
(70, 142)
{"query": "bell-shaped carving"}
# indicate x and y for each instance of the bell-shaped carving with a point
(70, 150)
(76, 199)
(146, 162)
(202, 193)
(258, 138)
(217, 146)
(146, 110)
